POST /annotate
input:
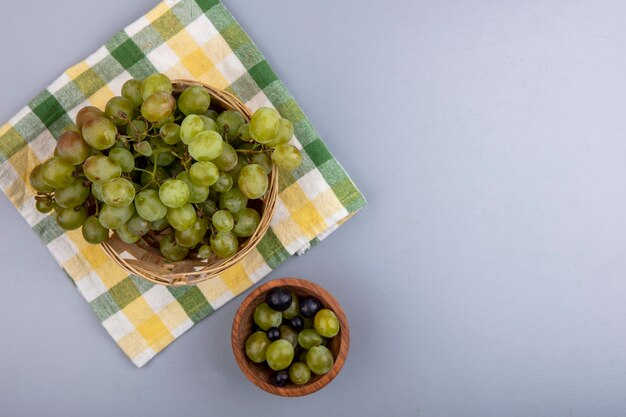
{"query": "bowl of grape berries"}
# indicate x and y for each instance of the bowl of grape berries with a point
(290, 337)
(176, 180)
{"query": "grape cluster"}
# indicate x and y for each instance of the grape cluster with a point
(291, 336)
(163, 165)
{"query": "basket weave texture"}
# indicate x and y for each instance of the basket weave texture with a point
(144, 259)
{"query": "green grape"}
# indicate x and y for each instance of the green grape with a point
(162, 158)
(159, 224)
(326, 323)
(125, 234)
(209, 207)
(170, 133)
(223, 183)
(57, 208)
(233, 200)
(37, 182)
(93, 232)
(113, 217)
(256, 346)
(209, 124)
(72, 127)
(294, 308)
(96, 190)
(253, 181)
(160, 175)
(302, 357)
(192, 236)
(120, 143)
(264, 124)
(320, 360)
(206, 145)
(288, 334)
(212, 114)
(143, 148)
(241, 162)
(154, 84)
(87, 113)
(244, 132)
(229, 122)
(309, 338)
(158, 107)
(224, 244)
(175, 168)
(57, 173)
(279, 354)
(137, 129)
(44, 205)
(99, 133)
(132, 91)
(287, 157)
(174, 193)
(138, 226)
(190, 127)
(124, 158)
(73, 195)
(101, 168)
(265, 317)
(227, 160)
(223, 220)
(197, 193)
(71, 218)
(299, 373)
(264, 161)
(120, 110)
(118, 192)
(194, 100)
(171, 250)
(284, 135)
(204, 252)
(149, 206)
(72, 148)
(204, 173)
(181, 218)
(169, 119)
(246, 222)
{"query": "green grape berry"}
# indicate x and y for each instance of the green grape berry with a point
(320, 360)
(326, 323)
(149, 205)
(256, 346)
(194, 100)
(93, 231)
(174, 193)
(265, 317)
(279, 354)
(99, 133)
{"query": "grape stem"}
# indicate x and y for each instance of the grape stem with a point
(248, 151)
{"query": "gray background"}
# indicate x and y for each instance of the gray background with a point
(485, 278)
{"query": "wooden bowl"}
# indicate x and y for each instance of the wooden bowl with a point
(144, 258)
(259, 373)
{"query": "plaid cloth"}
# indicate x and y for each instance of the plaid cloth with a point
(193, 39)
(184, 39)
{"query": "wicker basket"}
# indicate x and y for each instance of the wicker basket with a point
(144, 259)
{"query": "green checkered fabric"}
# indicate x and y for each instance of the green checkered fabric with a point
(190, 39)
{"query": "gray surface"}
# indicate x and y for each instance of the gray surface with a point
(485, 278)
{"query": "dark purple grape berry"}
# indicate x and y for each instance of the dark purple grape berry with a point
(309, 306)
(273, 333)
(278, 299)
(281, 378)
(296, 323)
